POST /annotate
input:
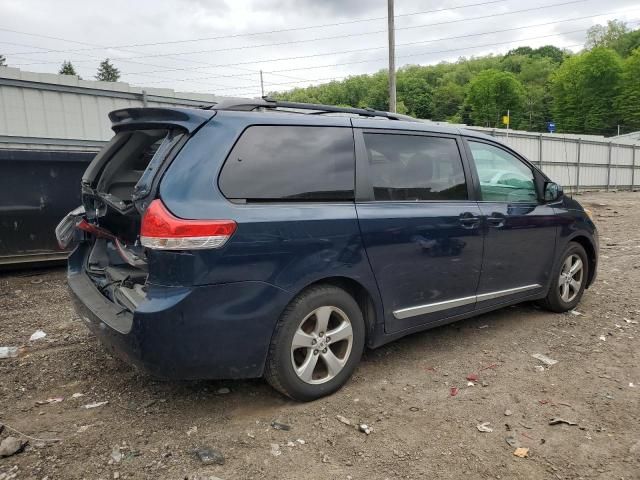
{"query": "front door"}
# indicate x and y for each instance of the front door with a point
(421, 231)
(520, 230)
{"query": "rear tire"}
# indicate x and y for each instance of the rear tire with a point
(568, 281)
(304, 361)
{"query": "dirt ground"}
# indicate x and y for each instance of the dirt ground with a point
(150, 428)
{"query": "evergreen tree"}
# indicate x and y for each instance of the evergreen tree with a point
(3, 61)
(107, 72)
(67, 68)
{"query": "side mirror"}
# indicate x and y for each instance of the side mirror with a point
(552, 192)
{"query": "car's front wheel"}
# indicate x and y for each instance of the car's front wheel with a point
(317, 344)
(569, 280)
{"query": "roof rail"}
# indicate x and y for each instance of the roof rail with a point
(243, 104)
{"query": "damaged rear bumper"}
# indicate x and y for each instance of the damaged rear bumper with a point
(204, 332)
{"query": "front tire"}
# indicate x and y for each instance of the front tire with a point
(317, 344)
(569, 280)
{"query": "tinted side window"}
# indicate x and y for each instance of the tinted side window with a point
(503, 177)
(290, 163)
(411, 167)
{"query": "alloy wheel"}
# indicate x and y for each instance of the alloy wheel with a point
(571, 277)
(321, 345)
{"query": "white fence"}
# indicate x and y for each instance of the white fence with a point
(578, 163)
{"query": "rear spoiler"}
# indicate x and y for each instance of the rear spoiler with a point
(189, 119)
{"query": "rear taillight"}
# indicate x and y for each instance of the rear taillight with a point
(162, 230)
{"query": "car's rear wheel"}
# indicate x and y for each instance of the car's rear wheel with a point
(317, 344)
(569, 280)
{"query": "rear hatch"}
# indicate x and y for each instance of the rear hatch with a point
(118, 187)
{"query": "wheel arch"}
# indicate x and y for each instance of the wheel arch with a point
(590, 248)
(370, 308)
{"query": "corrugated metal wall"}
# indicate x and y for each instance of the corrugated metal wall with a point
(575, 162)
(44, 105)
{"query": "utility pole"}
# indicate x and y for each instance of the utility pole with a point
(392, 57)
(261, 85)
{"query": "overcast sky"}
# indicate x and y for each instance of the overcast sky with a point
(219, 46)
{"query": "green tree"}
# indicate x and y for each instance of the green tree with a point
(585, 88)
(3, 61)
(447, 99)
(67, 68)
(605, 35)
(107, 72)
(491, 94)
(629, 99)
(415, 91)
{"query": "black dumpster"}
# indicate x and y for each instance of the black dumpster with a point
(37, 188)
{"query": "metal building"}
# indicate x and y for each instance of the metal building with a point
(51, 126)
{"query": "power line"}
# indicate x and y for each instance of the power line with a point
(336, 37)
(358, 50)
(379, 59)
(248, 34)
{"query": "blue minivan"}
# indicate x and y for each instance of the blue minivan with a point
(263, 238)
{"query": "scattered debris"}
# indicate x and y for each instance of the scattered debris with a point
(603, 338)
(512, 441)
(543, 402)
(275, 450)
(344, 420)
(325, 458)
(223, 391)
(544, 359)
(77, 395)
(483, 326)
(83, 428)
(280, 426)
(301, 441)
(521, 452)
(539, 368)
(8, 352)
(49, 401)
(492, 366)
(209, 456)
(116, 455)
(471, 384)
(631, 321)
(631, 384)
(577, 313)
(508, 413)
(485, 384)
(558, 420)
(364, 428)
(95, 405)
(414, 409)
(290, 444)
(453, 391)
(192, 430)
(472, 377)
(528, 427)
(37, 335)
(10, 446)
(484, 427)
(39, 440)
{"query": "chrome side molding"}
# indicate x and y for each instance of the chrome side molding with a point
(459, 302)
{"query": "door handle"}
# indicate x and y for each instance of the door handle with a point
(496, 220)
(468, 220)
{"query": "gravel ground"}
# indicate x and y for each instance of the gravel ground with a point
(150, 428)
